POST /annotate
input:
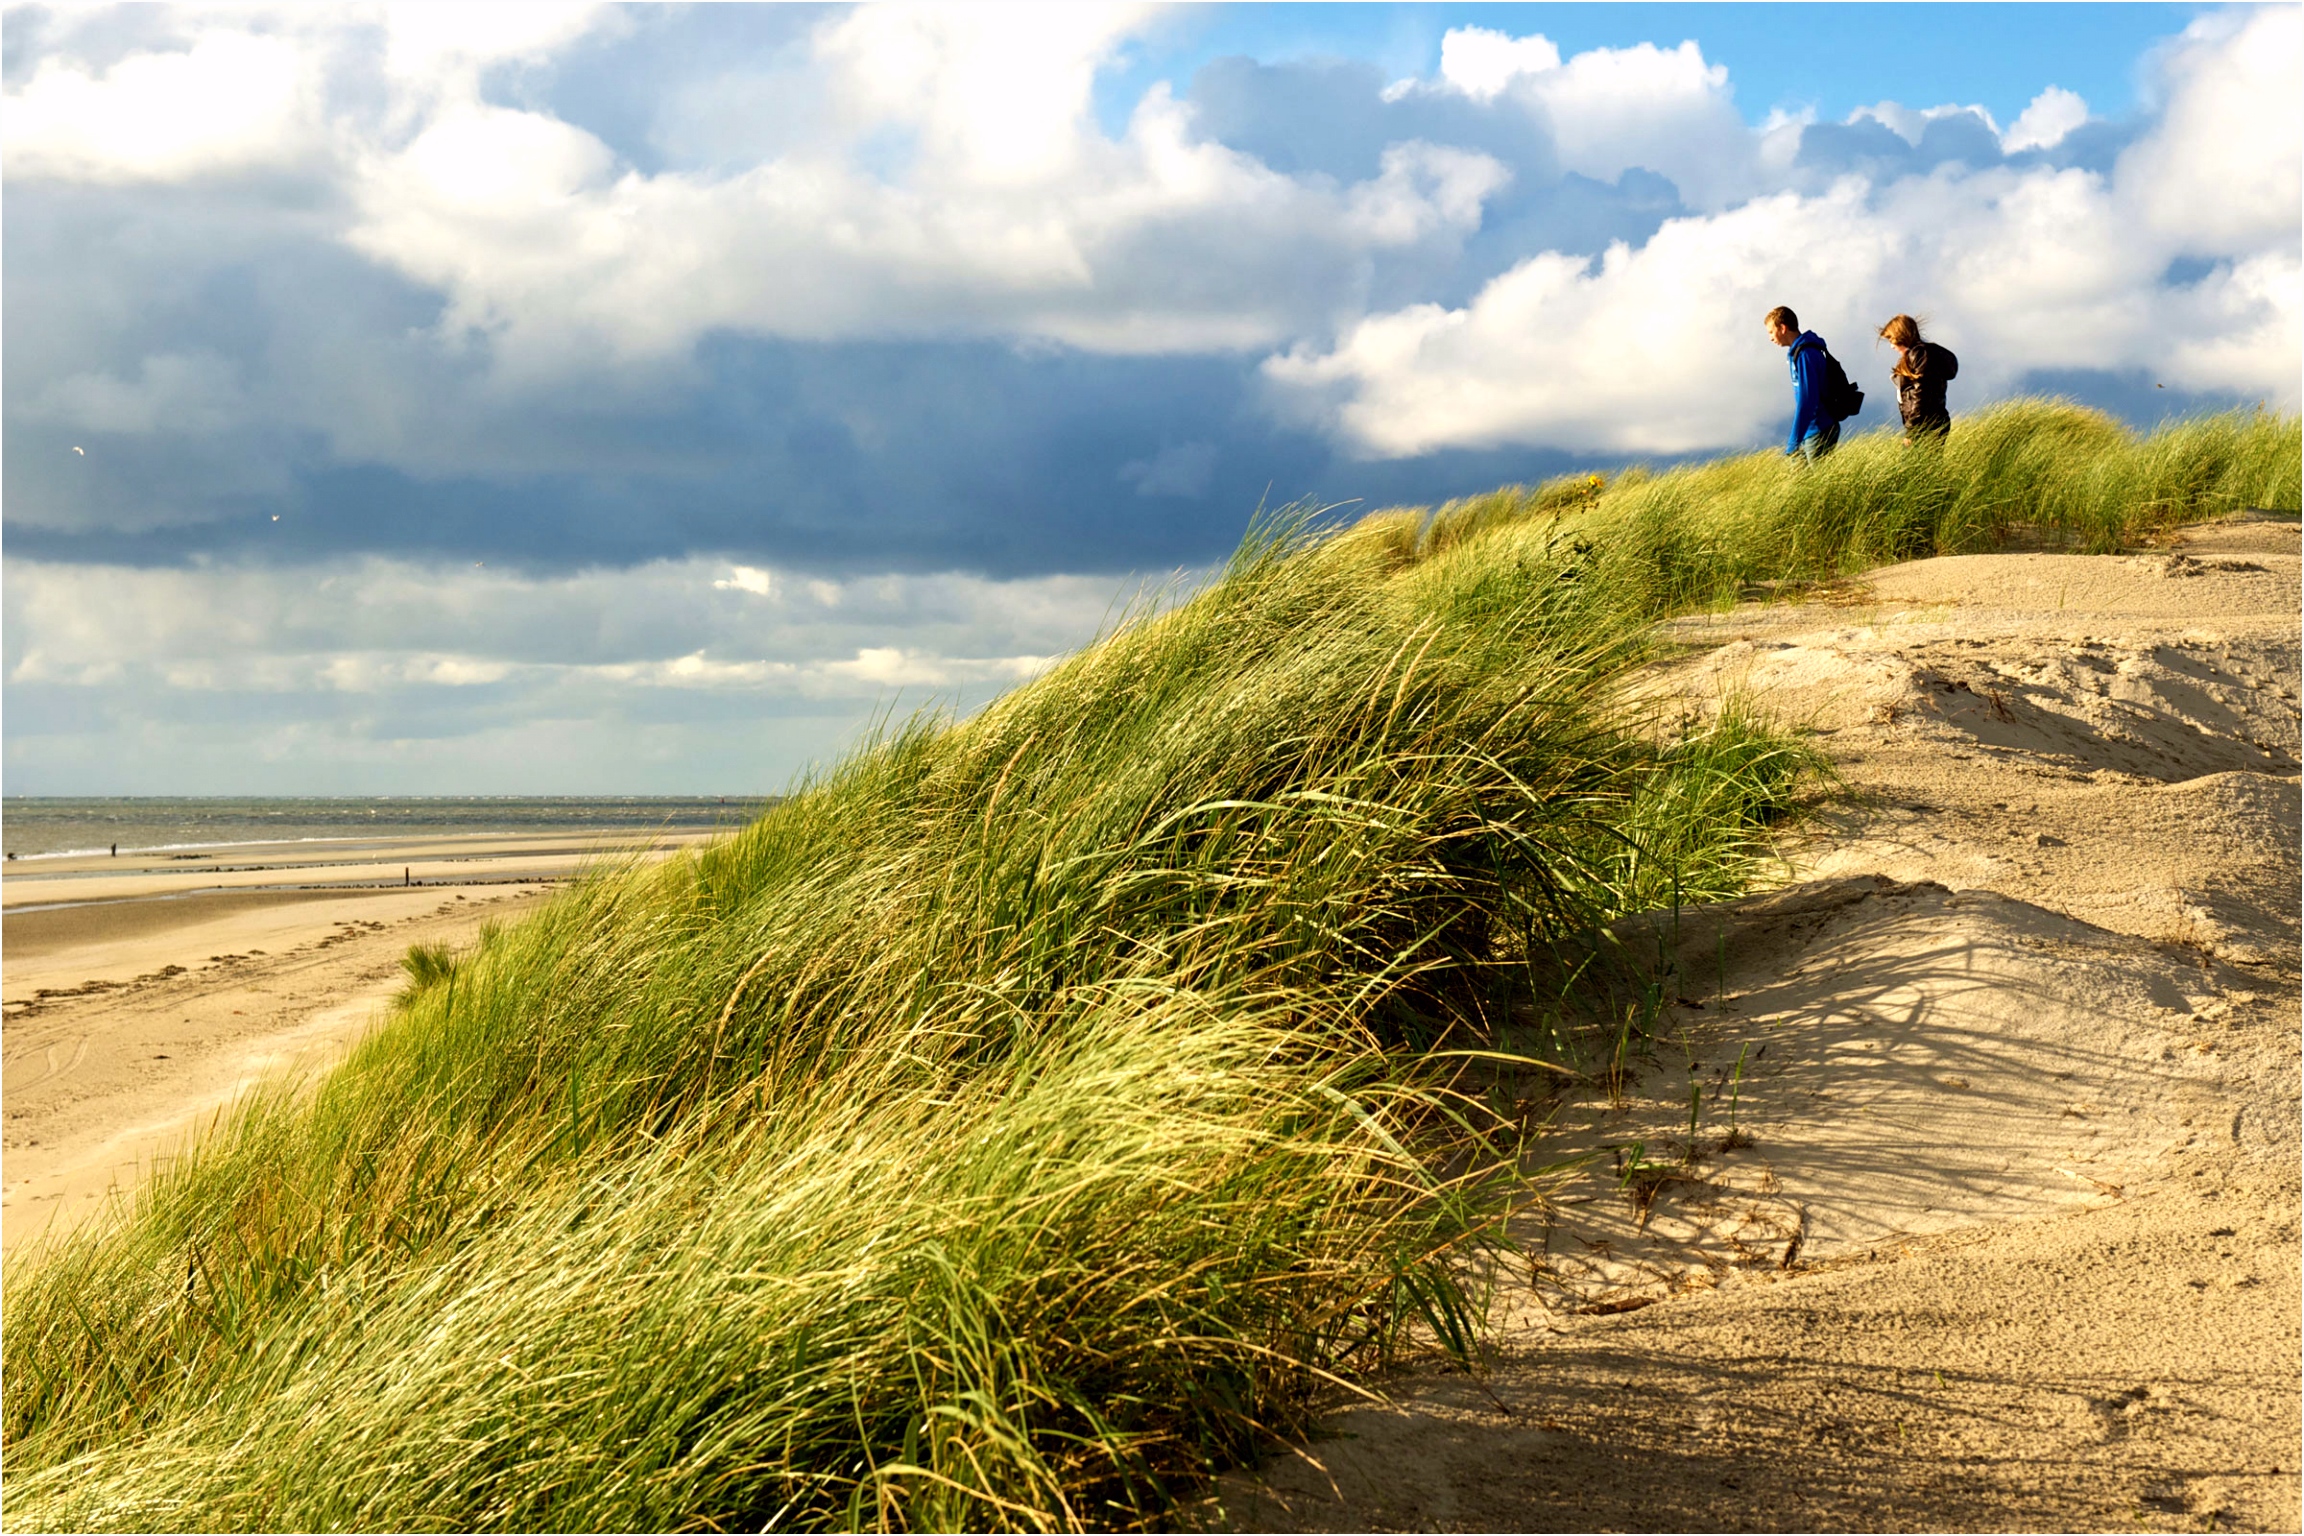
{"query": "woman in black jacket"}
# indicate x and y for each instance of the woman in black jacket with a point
(1922, 370)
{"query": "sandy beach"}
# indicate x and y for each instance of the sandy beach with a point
(1990, 1213)
(1990, 1217)
(142, 994)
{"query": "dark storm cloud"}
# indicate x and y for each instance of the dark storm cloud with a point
(247, 387)
(858, 456)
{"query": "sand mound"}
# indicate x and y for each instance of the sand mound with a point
(2183, 584)
(1997, 1224)
(1873, 1062)
(2150, 702)
(2133, 1368)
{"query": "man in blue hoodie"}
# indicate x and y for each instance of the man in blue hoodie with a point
(1815, 432)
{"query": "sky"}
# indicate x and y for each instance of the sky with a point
(536, 398)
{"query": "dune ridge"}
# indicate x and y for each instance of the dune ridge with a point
(1040, 1113)
(1993, 1218)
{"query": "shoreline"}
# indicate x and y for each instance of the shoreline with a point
(137, 1004)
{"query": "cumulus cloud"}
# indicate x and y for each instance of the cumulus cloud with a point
(956, 182)
(372, 623)
(1655, 349)
(745, 578)
(1156, 243)
(689, 320)
(1645, 350)
(942, 173)
(1912, 125)
(1608, 110)
(2052, 115)
(199, 94)
(442, 46)
(1481, 62)
(234, 101)
(2221, 173)
(360, 660)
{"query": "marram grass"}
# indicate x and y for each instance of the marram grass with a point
(1022, 1120)
(2030, 474)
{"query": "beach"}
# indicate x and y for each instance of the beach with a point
(1983, 1213)
(145, 992)
(1989, 1217)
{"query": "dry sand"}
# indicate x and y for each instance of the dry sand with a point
(141, 995)
(2007, 1235)
(1996, 1226)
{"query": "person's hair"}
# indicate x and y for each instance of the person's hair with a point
(1783, 316)
(1903, 332)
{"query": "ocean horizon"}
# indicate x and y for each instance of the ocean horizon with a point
(61, 826)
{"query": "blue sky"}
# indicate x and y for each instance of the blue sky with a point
(619, 399)
(1828, 59)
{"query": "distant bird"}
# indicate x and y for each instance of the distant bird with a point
(275, 517)
(76, 448)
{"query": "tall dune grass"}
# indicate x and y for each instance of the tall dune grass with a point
(2027, 474)
(1020, 1120)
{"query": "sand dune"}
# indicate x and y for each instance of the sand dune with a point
(2004, 1231)
(1996, 1225)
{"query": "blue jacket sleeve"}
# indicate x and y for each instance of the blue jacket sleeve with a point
(1807, 390)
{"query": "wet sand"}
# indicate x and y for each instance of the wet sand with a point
(142, 994)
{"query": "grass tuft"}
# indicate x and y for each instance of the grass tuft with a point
(1023, 1119)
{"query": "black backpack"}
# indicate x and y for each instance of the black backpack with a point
(1842, 399)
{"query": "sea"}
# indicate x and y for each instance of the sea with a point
(55, 826)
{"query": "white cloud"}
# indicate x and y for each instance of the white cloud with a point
(999, 94)
(1151, 243)
(2224, 168)
(447, 42)
(1481, 63)
(228, 91)
(999, 206)
(1661, 109)
(2238, 328)
(234, 101)
(746, 578)
(375, 626)
(1658, 349)
(2054, 113)
(944, 173)
(1909, 124)
(1608, 110)
(891, 666)
(1422, 190)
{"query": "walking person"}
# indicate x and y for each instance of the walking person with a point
(1922, 370)
(1821, 393)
